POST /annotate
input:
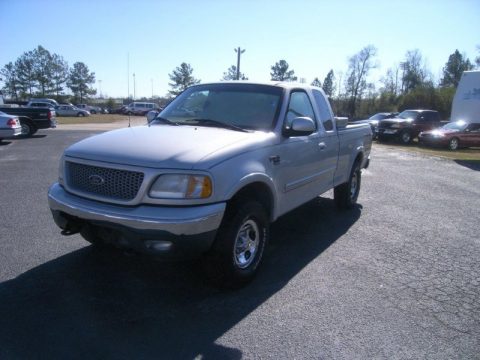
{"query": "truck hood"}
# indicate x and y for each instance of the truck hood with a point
(165, 146)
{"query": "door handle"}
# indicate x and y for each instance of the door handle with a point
(322, 145)
(275, 159)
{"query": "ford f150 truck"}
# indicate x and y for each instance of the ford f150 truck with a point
(210, 173)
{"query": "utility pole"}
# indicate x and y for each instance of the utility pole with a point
(128, 75)
(100, 93)
(239, 52)
(152, 87)
(134, 87)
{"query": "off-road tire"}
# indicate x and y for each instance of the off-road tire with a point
(226, 264)
(345, 195)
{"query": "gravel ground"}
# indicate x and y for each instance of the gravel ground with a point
(397, 277)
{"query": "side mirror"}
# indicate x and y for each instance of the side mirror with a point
(301, 126)
(151, 115)
(341, 122)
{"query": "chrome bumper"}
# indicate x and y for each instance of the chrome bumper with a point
(179, 221)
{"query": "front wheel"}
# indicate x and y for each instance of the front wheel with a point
(453, 144)
(346, 194)
(405, 137)
(239, 246)
(80, 114)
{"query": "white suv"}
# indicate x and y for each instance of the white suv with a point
(140, 108)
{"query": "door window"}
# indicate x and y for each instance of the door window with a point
(299, 106)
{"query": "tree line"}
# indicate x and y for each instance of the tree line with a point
(41, 73)
(408, 84)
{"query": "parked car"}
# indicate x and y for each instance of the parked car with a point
(117, 110)
(52, 102)
(407, 125)
(70, 110)
(140, 108)
(454, 135)
(32, 118)
(9, 125)
(91, 109)
(210, 173)
(374, 119)
(40, 104)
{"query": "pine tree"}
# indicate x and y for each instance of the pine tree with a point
(181, 78)
(454, 67)
(280, 72)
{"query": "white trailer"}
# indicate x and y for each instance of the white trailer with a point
(466, 102)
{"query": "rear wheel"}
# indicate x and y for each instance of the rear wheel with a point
(27, 129)
(453, 143)
(345, 195)
(239, 246)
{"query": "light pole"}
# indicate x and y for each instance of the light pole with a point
(239, 52)
(100, 83)
(152, 86)
(134, 87)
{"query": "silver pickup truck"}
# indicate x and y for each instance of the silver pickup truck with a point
(210, 173)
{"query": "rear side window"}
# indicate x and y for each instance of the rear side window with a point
(429, 116)
(323, 110)
(474, 128)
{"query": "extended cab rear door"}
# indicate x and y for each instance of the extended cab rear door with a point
(306, 164)
(328, 136)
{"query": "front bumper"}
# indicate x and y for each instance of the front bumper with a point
(184, 230)
(387, 132)
(433, 141)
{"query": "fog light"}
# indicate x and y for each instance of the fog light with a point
(158, 245)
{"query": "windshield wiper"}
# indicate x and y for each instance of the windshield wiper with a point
(166, 121)
(217, 123)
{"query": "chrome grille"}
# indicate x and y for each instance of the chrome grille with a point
(385, 124)
(106, 182)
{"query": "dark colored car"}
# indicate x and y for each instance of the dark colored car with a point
(33, 118)
(407, 125)
(453, 135)
(118, 110)
(374, 120)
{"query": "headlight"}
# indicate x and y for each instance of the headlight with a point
(181, 186)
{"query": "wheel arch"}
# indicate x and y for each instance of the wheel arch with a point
(27, 119)
(256, 188)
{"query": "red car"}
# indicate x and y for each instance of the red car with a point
(453, 135)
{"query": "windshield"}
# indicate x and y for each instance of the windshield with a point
(245, 106)
(408, 114)
(458, 125)
(378, 117)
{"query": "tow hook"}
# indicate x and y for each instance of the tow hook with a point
(70, 229)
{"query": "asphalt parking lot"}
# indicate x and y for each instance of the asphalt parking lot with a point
(397, 277)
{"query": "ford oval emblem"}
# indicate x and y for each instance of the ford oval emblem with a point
(96, 180)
